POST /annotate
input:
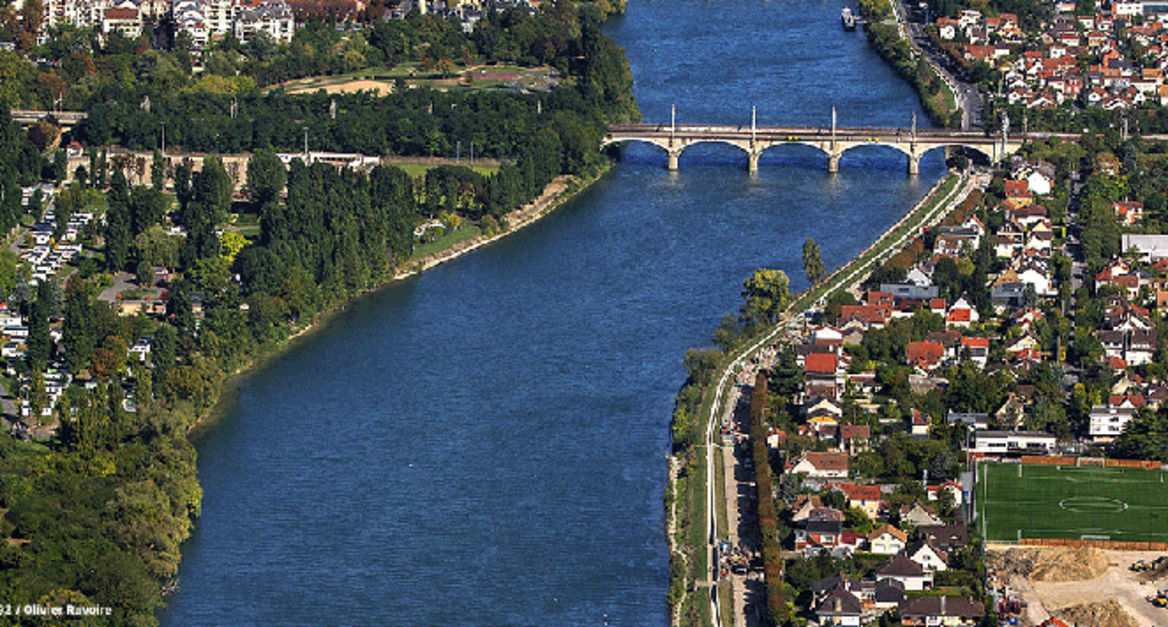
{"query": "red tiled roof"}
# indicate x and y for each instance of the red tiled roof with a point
(857, 492)
(821, 363)
(958, 315)
(1117, 399)
(925, 353)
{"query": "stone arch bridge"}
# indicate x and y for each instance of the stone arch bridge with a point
(832, 141)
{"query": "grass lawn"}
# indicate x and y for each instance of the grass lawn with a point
(414, 170)
(446, 241)
(1123, 504)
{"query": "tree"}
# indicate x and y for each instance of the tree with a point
(78, 332)
(158, 171)
(812, 264)
(766, 293)
(118, 228)
(266, 177)
(726, 336)
(39, 343)
(1145, 437)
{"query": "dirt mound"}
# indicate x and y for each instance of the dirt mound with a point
(1052, 563)
(1107, 614)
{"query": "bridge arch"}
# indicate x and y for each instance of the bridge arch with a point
(981, 149)
(674, 152)
(620, 141)
(898, 147)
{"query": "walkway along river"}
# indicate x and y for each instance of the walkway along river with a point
(482, 443)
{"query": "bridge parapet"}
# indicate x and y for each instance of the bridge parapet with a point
(833, 142)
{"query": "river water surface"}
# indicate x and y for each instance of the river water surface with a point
(484, 444)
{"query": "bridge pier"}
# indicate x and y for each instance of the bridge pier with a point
(672, 164)
(752, 158)
(914, 165)
(833, 162)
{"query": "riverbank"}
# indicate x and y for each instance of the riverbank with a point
(559, 191)
(690, 491)
(886, 32)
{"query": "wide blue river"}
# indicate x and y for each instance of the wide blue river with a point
(484, 444)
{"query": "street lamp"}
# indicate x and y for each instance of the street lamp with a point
(305, 143)
(164, 138)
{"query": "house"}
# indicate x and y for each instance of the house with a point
(954, 490)
(942, 610)
(868, 498)
(141, 348)
(1007, 296)
(887, 540)
(1023, 344)
(972, 420)
(887, 594)
(820, 373)
(839, 607)
(913, 292)
(928, 556)
(924, 355)
(1013, 443)
(920, 515)
(1140, 347)
(1128, 212)
(854, 439)
(945, 537)
(1152, 247)
(821, 588)
(821, 465)
(815, 407)
(906, 571)
(1108, 422)
(961, 314)
(919, 423)
(822, 528)
(803, 506)
(977, 348)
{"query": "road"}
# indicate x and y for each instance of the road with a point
(968, 95)
(759, 354)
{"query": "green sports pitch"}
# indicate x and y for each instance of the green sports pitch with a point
(1082, 502)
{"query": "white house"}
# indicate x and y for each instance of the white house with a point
(821, 465)
(907, 572)
(929, 557)
(1013, 442)
(887, 540)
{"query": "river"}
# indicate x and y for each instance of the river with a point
(484, 444)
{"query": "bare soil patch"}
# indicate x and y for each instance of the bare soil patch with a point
(1087, 593)
(1051, 564)
(381, 88)
(1106, 614)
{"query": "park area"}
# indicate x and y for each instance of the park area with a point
(1018, 501)
(381, 81)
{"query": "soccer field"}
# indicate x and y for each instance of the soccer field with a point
(1122, 504)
